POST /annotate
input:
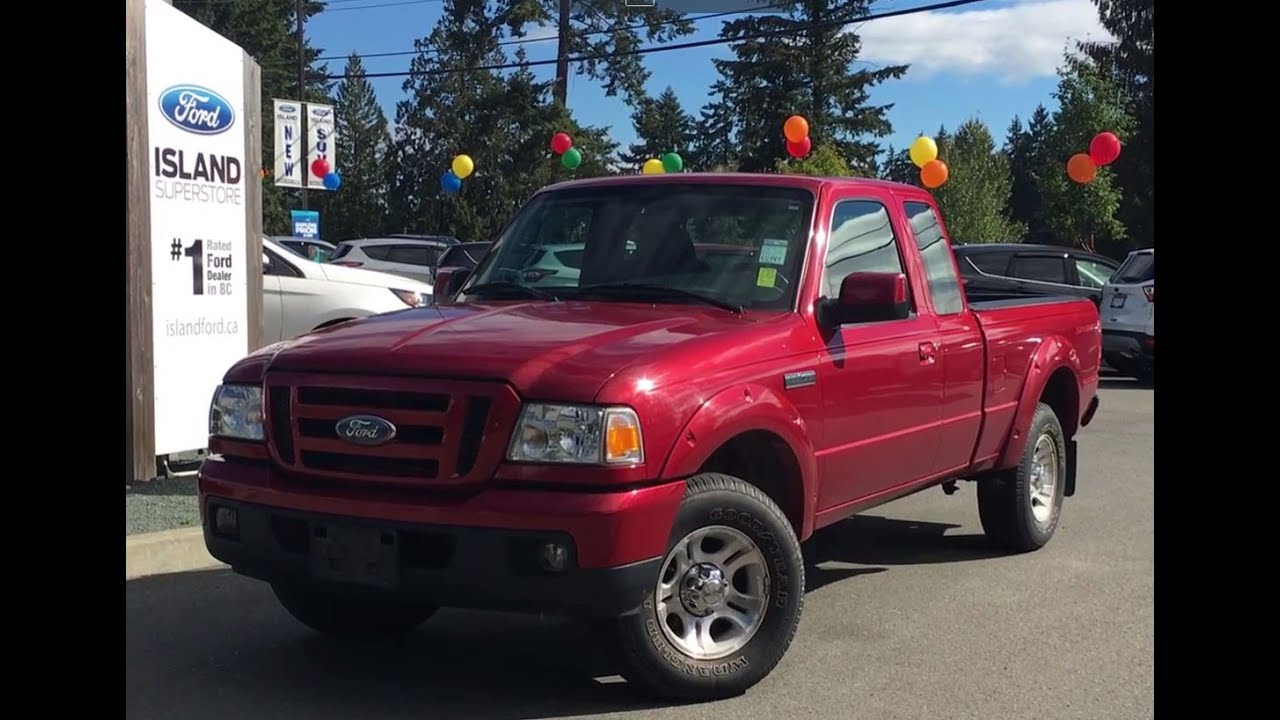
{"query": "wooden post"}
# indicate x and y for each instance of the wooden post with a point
(253, 198)
(139, 365)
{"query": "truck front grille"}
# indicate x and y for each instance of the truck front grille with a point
(447, 432)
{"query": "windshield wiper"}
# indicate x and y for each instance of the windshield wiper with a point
(505, 286)
(625, 289)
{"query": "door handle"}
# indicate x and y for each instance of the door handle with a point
(928, 351)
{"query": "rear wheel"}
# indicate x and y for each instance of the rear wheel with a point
(1019, 508)
(727, 600)
(350, 617)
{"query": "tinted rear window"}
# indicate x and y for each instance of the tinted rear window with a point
(991, 263)
(1137, 269)
(377, 252)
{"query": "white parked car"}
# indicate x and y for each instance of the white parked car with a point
(300, 295)
(415, 258)
(1128, 311)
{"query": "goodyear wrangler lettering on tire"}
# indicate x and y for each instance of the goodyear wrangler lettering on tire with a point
(777, 556)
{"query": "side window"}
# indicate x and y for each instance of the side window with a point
(377, 252)
(411, 254)
(939, 263)
(1040, 268)
(862, 240)
(1092, 273)
(990, 263)
(276, 265)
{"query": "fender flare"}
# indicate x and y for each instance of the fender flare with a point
(1053, 354)
(733, 411)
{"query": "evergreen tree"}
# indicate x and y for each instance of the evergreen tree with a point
(822, 161)
(810, 73)
(898, 167)
(975, 197)
(359, 207)
(1028, 150)
(504, 123)
(662, 126)
(1130, 61)
(713, 143)
(606, 30)
(1084, 215)
(266, 29)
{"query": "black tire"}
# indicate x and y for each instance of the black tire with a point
(1147, 376)
(654, 663)
(1005, 499)
(351, 618)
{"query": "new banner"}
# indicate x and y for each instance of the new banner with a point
(322, 139)
(288, 146)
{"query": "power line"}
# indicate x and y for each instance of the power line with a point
(549, 38)
(377, 5)
(675, 46)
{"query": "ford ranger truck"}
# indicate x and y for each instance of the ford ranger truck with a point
(646, 443)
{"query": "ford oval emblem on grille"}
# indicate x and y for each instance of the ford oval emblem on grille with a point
(365, 430)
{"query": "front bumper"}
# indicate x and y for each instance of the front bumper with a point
(1127, 349)
(481, 552)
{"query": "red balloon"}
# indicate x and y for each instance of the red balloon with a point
(319, 167)
(799, 149)
(1104, 149)
(560, 143)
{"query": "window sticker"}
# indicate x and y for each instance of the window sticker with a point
(774, 252)
(767, 277)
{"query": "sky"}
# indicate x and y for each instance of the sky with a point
(991, 60)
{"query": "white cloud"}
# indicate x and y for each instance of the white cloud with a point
(1014, 44)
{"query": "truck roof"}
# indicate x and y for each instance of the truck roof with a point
(808, 182)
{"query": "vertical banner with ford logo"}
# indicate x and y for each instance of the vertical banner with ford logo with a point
(288, 147)
(195, 96)
(321, 137)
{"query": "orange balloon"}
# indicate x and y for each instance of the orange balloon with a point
(1081, 168)
(934, 174)
(796, 129)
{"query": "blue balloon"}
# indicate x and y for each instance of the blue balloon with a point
(332, 181)
(450, 183)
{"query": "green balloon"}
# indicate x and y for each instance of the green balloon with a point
(571, 158)
(672, 162)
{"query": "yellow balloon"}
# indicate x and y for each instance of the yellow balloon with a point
(923, 151)
(653, 166)
(463, 166)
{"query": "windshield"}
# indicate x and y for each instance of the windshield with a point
(1137, 268)
(743, 245)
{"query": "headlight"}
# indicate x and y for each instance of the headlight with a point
(577, 434)
(236, 412)
(412, 299)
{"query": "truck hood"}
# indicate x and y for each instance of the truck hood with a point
(561, 350)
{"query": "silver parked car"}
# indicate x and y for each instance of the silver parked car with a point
(414, 258)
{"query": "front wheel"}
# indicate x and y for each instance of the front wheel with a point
(1019, 508)
(350, 618)
(727, 600)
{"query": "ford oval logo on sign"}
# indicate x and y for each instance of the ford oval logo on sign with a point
(365, 430)
(197, 109)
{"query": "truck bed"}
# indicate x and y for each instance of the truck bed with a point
(1016, 333)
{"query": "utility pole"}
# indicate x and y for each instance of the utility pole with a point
(302, 98)
(562, 55)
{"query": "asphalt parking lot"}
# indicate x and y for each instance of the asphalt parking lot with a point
(909, 614)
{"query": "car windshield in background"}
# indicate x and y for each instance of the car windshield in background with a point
(1138, 268)
(734, 246)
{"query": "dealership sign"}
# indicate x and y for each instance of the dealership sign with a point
(299, 145)
(196, 137)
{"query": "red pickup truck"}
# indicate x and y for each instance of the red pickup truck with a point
(645, 437)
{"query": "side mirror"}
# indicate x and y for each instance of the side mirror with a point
(867, 297)
(266, 263)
